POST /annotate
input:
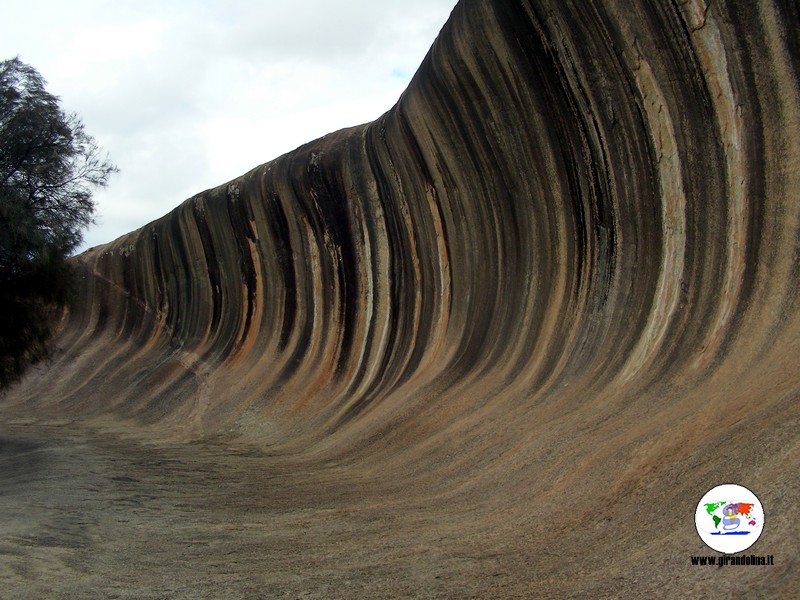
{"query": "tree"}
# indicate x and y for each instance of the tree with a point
(49, 167)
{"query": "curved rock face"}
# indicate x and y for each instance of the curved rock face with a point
(565, 264)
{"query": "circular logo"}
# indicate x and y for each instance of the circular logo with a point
(729, 518)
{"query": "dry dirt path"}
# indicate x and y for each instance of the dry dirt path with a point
(89, 514)
(96, 510)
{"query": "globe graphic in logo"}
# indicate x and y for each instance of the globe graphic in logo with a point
(729, 518)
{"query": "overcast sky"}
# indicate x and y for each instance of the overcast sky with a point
(188, 94)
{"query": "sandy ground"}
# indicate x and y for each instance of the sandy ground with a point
(96, 510)
(88, 514)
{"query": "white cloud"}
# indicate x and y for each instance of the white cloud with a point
(186, 95)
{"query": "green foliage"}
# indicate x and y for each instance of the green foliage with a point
(49, 166)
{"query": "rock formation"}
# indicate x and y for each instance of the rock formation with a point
(556, 285)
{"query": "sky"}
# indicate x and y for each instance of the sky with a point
(185, 95)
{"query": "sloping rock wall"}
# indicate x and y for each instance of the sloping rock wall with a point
(565, 264)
